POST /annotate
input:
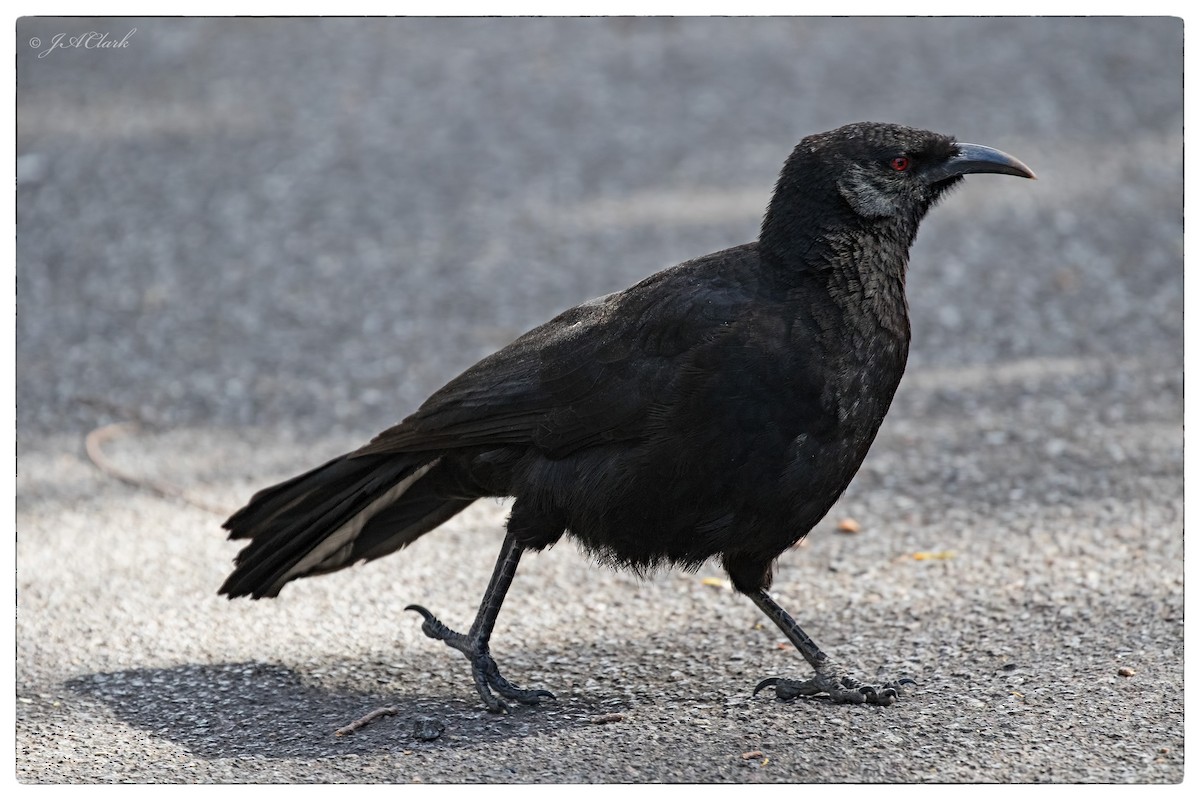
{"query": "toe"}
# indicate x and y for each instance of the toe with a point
(490, 674)
(838, 688)
(879, 697)
(789, 690)
(851, 696)
(494, 704)
(433, 627)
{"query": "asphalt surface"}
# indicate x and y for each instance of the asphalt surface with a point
(265, 240)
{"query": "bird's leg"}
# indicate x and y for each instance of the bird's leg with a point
(474, 644)
(829, 679)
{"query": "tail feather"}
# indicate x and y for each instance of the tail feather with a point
(310, 524)
(267, 505)
(421, 509)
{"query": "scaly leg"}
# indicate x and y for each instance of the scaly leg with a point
(474, 645)
(830, 679)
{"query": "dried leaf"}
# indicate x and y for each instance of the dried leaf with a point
(937, 555)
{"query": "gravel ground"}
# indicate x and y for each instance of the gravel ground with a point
(265, 240)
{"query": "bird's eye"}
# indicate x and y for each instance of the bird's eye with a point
(900, 163)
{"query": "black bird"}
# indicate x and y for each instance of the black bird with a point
(716, 409)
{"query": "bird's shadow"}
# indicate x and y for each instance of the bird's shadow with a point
(261, 710)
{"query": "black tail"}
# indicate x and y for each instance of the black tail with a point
(354, 508)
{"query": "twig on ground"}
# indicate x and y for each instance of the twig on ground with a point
(385, 711)
(93, 444)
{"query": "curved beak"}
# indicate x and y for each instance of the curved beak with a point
(977, 158)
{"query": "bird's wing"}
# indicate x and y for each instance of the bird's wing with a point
(591, 375)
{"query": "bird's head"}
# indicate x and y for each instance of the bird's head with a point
(875, 172)
(889, 170)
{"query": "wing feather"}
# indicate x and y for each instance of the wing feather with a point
(591, 375)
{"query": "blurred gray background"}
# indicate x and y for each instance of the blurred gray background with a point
(264, 240)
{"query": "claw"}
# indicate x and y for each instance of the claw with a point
(764, 684)
(422, 610)
(879, 698)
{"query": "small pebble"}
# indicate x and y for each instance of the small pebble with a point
(427, 729)
(1126, 672)
(604, 719)
(848, 525)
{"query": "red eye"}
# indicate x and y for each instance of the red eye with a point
(900, 163)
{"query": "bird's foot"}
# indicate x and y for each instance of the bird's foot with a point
(839, 688)
(483, 667)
